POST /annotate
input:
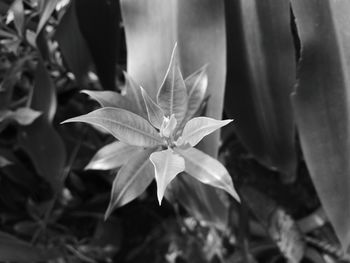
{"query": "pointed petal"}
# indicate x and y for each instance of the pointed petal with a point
(197, 128)
(172, 95)
(123, 125)
(196, 85)
(112, 156)
(154, 112)
(167, 165)
(207, 170)
(131, 181)
(133, 94)
(107, 98)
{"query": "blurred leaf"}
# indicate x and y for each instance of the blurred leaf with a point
(13, 249)
(131, 181)
(4, 7)
(44, 97)
(207, 170)
(112, 156)
(158, 25)
(123, 125)
(19, 173)
(72, 44)
(4, 162)
(196, 85)
(26, 228)
(98, 22)
(172, 95)
(322, 106)
(40, 140)
(46, 149)
(167, 165)
(112, 99)
(260, 78)
(18, 15)
(281, 227)
(46, 12)
(10, 79)
(197, 128)
(23, 116)
(154, 112)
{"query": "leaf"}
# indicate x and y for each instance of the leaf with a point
(48, 8)
(154, 112)
(260, 77)
(18, 16)
(112, 156)
(44, 88)
(40, 140)
(123, 125)
(4, 162)
(134, 95)
(112, 99)
(196, 85)
(207, 170)
(23, 116)
(321, 105)
(175, 22)
(197, 128)
(131, 181)
(16, 250)
(167, 165)
(99, 24)
(172, 95)
(73, 45)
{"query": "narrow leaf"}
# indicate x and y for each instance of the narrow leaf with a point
(197, 128)
(154, 112)
(196, 85)
(167, 165)
(23, 116)
(207, 170)
(260, 78)
(44, 88)
(4, 162)
(134, 95)
(48, 8)
(124, 125)
(112, 156)
(131, 181)
(40, 140)
(172, 95)
(99, 24)
(18, 15)
(112, 99)
(321, 104)
(72, 44)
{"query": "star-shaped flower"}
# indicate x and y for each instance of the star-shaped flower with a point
(159, 137)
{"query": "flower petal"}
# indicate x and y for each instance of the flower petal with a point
(167, 165)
